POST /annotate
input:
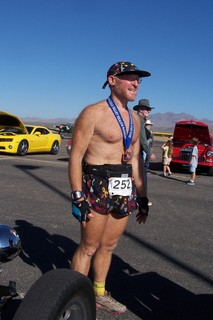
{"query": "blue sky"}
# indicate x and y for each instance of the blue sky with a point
(54, 54)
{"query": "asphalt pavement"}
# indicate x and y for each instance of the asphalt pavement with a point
(161, 270)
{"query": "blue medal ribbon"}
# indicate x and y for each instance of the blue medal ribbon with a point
(127, 137)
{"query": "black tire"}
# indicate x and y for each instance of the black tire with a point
(55, 148)
(210, 171)
(59, 294)
(22, 148)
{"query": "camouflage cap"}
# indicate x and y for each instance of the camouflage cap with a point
(124, 68)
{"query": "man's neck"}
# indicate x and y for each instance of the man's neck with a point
(143, 118)
(120, 103)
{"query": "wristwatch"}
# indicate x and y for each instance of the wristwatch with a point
(77, 195)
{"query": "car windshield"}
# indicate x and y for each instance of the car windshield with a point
(29, 129)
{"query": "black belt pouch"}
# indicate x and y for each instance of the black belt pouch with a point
(109, 170)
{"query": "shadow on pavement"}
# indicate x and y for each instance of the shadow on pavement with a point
(43, 250)
(153, 297)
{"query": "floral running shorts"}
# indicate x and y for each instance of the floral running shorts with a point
(95, 189)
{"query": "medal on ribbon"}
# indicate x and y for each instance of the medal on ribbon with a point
(127, 156)
(127, 137)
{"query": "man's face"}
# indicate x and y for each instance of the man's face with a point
(149, 127)
(144, 112)
(126, 86)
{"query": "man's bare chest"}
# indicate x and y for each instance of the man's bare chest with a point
(110, 130)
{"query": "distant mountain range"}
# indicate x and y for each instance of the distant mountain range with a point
(56, 121)
(166, 121)
(163, 122)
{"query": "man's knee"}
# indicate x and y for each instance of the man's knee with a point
(90, 250)
(90, 253)
(109, 247)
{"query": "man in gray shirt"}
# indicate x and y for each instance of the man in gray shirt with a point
(143, 109)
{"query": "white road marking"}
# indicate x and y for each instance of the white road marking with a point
(33, 160)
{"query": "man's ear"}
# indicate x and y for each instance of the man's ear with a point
(111, 80)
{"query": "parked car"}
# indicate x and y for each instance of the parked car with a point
(20, 139)
(183, 133)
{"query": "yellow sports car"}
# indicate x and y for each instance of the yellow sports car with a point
(20, 139)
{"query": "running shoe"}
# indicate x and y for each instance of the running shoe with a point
(190, 183)
(163, 174)
(149, 203)
(110, 304)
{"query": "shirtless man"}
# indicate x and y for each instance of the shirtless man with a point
(106, 176)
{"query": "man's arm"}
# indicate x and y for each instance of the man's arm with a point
(143, 139)
(81, 137)
(138, 168)
(137, 161)
(138, 174)
(144, 143)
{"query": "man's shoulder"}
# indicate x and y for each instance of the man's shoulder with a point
(97, 106)
(93, 108)
(91, 113)
(135, 116)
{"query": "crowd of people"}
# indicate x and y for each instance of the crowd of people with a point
(108, 173)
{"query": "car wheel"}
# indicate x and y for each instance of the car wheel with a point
(22, 148)
(55, 147)
(60, 294)
(210, 171)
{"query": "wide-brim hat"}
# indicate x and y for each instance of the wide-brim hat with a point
(149, 123)
(124, 68)
(143, 104)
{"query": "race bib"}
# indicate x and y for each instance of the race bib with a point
(120, 186)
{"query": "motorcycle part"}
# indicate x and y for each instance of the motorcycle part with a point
(10, 243)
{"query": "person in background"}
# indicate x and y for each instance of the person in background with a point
(143, 109)
(167, 148)
(150, 141)
(106, 177)
(193, 162)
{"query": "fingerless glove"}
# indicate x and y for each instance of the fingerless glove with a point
(80, 210)
(143, 207)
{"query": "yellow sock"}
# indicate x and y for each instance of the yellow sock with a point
(99, 288)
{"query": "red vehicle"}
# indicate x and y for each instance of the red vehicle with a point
(183, 133)
(68, 146)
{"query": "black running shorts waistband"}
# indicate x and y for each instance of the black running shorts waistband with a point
(109, 170)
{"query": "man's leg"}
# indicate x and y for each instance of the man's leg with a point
(102, 260)
(90, 239)
(114, 228)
